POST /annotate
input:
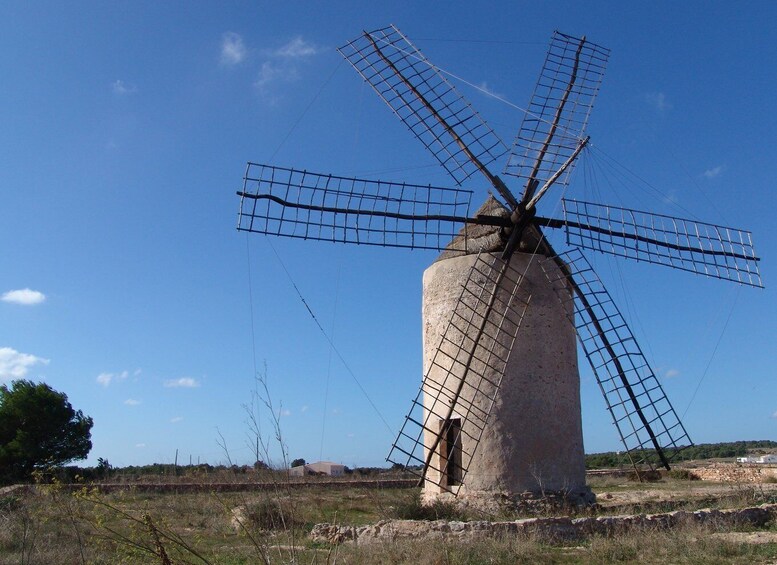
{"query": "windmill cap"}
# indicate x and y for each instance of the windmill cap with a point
(476, 238)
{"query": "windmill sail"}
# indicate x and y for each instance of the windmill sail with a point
(554, 124)
(300, 204)
(425, 101)
(648, 426)
(688, 245)
(463, 377)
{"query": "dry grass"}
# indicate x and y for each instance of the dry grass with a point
(54, 527)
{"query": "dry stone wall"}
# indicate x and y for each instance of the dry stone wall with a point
(551, 528)
(737, 473)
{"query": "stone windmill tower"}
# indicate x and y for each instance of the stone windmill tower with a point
(498, 412)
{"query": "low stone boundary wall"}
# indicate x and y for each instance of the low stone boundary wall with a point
(550, 528)
(737, 473)
(238, 487)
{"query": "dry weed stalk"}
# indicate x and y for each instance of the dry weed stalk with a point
(278, 511)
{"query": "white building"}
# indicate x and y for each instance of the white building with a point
(319, 468)
(763, 459)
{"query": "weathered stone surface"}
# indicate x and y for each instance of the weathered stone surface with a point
(239, 518)
(333, 534)
(549, 528)
(737, 473)
(533, 441)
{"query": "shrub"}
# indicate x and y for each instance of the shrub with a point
(414, 509)
(271, 514)
(648, 476)
(10, 503)
(683, 475)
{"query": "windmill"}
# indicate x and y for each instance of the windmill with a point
(498, 410)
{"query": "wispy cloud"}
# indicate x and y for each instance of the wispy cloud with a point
(270, 72)
(176, 419)
(670, 373)
(24, 296)
(659, 101)
(140, 445)
(774, 415)
(282, 65)
(183, 382)
(131, 402)
(297, 48)
(233, 49)
(285, 412)
(671, 197)
(16, 365)
(483, 86)
(304, 409)
(120, 88)
(106, 379)
(713, 172)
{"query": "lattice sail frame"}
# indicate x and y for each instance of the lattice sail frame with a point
(425, 101)
(530, 159)
(300, 204)
(457, 383)
(645, 419)
(687, 245)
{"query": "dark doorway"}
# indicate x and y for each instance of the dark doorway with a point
(450, 449)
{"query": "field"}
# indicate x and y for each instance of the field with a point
(54, 524)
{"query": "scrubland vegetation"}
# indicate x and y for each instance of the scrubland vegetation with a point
(51, 524)
(702, 451)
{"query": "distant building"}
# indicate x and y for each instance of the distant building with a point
(319, 468)
(763, 459)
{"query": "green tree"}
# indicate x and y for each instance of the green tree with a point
(39, 429)
(297, 462)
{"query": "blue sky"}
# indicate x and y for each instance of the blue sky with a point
(124, 133)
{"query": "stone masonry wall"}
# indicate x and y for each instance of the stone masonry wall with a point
(388, 531)
(737, 473)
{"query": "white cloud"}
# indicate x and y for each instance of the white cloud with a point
(140, 445)
(106, 379)
(713, 172)
(282, 65)
(183, 382)
(297, 48)
(285, 412)
(24, 296)
(233, 50)
(671, 373)
(483, 86)
(16, 365)
(774, 415)
(131, 402)
(304, 409)
(658, 101)
(176, 419)
(270, 72)
(122, 89)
